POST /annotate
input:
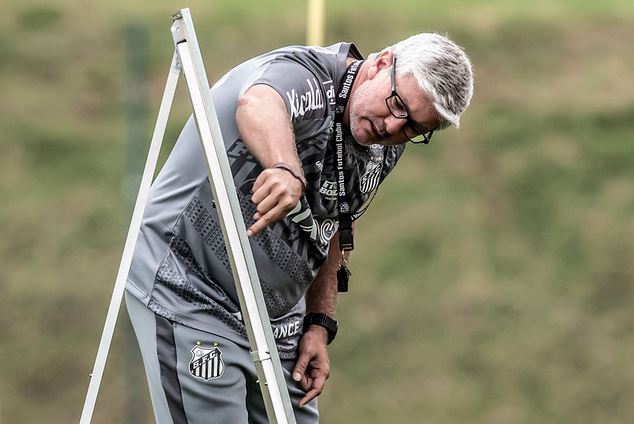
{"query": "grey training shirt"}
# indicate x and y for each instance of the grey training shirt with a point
(180, 268)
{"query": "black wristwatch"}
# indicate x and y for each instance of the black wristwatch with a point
(322, 320)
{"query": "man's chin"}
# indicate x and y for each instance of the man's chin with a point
(362, 137)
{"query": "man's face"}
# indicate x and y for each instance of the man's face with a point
(370, 119)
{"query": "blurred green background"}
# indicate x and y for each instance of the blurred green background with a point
(493, 275)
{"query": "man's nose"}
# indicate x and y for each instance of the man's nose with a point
(393, 125)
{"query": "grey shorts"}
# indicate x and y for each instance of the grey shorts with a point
(199, 377)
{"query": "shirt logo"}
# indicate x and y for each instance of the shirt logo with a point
(329, 190)
(327, 229)
(312, 99)
(286, 330)
(330, 92)
(206, 363)
(370, 178)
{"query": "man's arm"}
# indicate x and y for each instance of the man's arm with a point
(322, 294)
(265, 127)
(313, 365)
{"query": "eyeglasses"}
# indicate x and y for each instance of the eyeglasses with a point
(414, 132)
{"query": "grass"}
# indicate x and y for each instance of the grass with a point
(492, 276)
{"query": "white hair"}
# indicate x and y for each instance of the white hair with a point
(442, 70)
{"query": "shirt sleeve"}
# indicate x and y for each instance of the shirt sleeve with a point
(303, 93)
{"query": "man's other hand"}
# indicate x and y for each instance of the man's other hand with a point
(313, 366)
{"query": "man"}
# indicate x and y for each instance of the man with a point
(310, 133)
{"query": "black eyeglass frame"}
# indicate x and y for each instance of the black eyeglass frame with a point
(422, 136)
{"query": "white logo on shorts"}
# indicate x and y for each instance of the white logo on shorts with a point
(206, 363)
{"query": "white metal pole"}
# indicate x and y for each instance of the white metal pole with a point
(128, 250)
(264, 351)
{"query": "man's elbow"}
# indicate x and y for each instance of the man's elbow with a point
(246, 111)
(246, 103)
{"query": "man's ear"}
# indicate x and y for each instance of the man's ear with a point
(382, 61)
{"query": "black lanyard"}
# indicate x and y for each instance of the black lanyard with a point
(346, 240)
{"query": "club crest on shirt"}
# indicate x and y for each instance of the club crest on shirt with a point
(206, 363)
(371, 176)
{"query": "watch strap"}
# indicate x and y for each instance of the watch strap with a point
(323, 320)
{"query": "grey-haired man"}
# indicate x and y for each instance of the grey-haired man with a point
(310, 133)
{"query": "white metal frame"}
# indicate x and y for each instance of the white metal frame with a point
(187, 58)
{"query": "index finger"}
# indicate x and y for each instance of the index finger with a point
(318, 386)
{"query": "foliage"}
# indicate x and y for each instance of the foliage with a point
(492, 279)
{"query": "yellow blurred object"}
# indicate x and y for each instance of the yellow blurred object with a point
(315, 23)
